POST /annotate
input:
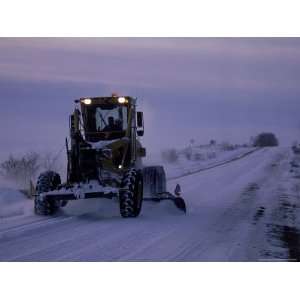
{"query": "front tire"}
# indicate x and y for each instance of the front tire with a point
(47, 181)
(131, 194)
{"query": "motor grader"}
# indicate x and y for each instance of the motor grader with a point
(104, 156)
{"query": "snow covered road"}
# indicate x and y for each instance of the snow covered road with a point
(247, 210)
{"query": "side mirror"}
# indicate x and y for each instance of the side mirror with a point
(140, 123)
(140, 119)
(140, 132)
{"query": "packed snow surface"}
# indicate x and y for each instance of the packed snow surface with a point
(244, 210)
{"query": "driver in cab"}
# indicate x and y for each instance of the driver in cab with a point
(112, 125)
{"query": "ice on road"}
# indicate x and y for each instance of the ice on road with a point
(246, 210)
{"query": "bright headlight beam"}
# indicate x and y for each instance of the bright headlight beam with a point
(87, 101)
(121, 100)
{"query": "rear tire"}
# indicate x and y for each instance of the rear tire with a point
(47, 181)
(131, 194)
(154, 181)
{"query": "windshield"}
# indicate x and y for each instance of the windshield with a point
(106, 121)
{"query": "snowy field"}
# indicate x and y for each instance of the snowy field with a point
(244, 210)
(201, 157)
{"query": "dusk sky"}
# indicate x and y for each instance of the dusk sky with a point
(226, 89)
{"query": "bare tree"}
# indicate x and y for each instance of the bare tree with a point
(266, 139)
(50, 161)
(226, 146)
(188, 153)
(21, 170)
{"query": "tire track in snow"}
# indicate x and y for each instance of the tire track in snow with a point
(32, 225)
(89, 242)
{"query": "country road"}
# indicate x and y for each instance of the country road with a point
(246, 210)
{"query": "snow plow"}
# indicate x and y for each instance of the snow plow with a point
(105, 160)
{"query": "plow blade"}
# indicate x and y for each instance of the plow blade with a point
(180, 204)
(177, 200)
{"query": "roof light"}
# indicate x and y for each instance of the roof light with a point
(121, 100)
(87, 101)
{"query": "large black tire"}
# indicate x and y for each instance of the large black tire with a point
(131, 194)
(154, 181)
(47, 181)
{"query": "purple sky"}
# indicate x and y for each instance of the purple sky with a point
(201, 88)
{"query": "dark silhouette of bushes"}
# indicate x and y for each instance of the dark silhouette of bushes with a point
(266, 139)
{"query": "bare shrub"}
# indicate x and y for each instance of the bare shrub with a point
(188, 153)
(169, 155)
(21, 170)
(225, 146)
(211, 155)
(199, 156)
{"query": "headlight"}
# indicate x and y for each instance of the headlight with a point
(87, 101)
(121, 100)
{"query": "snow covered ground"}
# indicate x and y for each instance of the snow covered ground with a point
(13, 203)
(244, 210)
